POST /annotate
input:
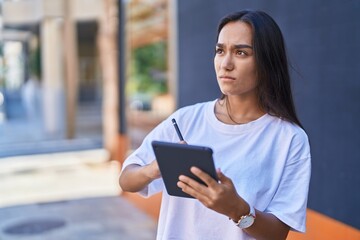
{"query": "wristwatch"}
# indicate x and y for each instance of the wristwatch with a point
(246, 220)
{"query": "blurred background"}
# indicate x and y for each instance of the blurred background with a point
(83, 81)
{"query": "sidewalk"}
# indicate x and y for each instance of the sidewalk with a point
(67, 196)
(24, 136)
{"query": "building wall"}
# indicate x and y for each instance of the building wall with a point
(323, 44)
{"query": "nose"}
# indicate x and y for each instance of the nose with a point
(227, 62)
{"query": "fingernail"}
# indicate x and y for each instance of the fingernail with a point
(195, 169)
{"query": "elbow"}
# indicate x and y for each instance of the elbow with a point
(122, 183)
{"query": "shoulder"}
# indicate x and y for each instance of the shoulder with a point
(286, 127)
(298, 139)
(298, 134)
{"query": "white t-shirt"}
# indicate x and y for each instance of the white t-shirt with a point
(267, 159)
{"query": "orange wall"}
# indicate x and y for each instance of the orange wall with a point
(150, 206)
(321, 227)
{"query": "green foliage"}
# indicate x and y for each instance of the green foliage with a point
(35, 62)
(148, 70)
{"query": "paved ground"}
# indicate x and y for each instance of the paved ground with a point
(52, 188)
(23, 136)
(67, 196)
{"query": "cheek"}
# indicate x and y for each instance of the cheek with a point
(250, 70)
(217, 62)
(255, 76)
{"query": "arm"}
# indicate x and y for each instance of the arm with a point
(267, 226)
(135, 177)
(222, 197)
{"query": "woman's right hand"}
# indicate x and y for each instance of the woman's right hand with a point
(152, 170)
(134, 177)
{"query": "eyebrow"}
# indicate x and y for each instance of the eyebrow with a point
(236, 46)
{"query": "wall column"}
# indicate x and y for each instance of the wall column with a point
(52, 75)
(114, 141)
(71, 69)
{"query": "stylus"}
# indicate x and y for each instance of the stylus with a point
(177, 129)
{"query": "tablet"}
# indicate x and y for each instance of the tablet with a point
(175, 159)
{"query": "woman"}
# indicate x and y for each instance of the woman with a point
(261, 151)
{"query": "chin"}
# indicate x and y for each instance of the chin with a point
(226, 91)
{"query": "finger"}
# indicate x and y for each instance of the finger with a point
(183, 142)
(191, 191)
(209, 181)
(201, 188)
(221, 176)
(186, 188)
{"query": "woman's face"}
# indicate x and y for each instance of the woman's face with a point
(235, 61)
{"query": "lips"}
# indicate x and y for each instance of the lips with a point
(224, 77)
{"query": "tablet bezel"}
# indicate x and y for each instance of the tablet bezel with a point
(175, 159)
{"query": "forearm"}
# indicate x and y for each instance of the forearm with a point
(267, 226)
(135, 178)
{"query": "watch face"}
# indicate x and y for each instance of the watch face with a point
(246, 222)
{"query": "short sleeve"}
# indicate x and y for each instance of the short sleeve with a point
(145, 155)
(141, 157)
(290, 200)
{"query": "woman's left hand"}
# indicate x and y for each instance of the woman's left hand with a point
(220, 196)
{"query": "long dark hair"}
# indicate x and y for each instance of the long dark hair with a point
(274, 88)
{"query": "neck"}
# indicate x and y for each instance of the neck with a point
(234, 110)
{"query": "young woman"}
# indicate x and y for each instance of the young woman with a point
(260, 149)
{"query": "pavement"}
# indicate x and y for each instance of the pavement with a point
(67, 196)
(53, 188)
(27, 135)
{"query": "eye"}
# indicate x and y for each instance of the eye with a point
(241, 53)
(219, 51)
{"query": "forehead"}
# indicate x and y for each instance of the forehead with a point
(236, 33)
